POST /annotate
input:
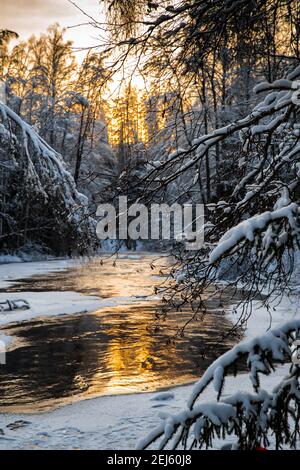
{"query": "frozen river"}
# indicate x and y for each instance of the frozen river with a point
(111, 350)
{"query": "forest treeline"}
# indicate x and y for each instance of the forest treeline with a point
(126, 119)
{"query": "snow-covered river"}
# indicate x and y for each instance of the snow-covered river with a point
(102, 345)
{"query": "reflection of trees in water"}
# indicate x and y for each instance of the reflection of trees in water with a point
(137, 359)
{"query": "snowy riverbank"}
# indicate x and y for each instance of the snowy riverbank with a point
(46, 304)
(111, 422)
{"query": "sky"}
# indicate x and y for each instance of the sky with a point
(27, 17)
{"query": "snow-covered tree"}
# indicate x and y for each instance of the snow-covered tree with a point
(243, 156)
(252, 234)
(213, 51)
(39, 199)
(64, 103)
(5, 37)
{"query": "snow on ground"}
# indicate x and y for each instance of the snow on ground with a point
(115, 422)
(105, 423)
(45, 304)
(260, 321)
(40, 304)
(18, 270)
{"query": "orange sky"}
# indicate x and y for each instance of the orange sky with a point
(28, 17)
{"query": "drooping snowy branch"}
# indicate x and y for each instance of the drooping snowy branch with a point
(252, 417)
(45, 172)
(258, 224)
(252, 232)
(279, 101)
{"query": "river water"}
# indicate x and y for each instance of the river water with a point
(58, 360)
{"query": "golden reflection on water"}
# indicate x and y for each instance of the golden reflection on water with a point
(110, 351)
(127, 276)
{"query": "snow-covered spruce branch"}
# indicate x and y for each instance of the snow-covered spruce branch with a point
(248, 230)
(279, 102)
(251, 235)
(250, 418)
